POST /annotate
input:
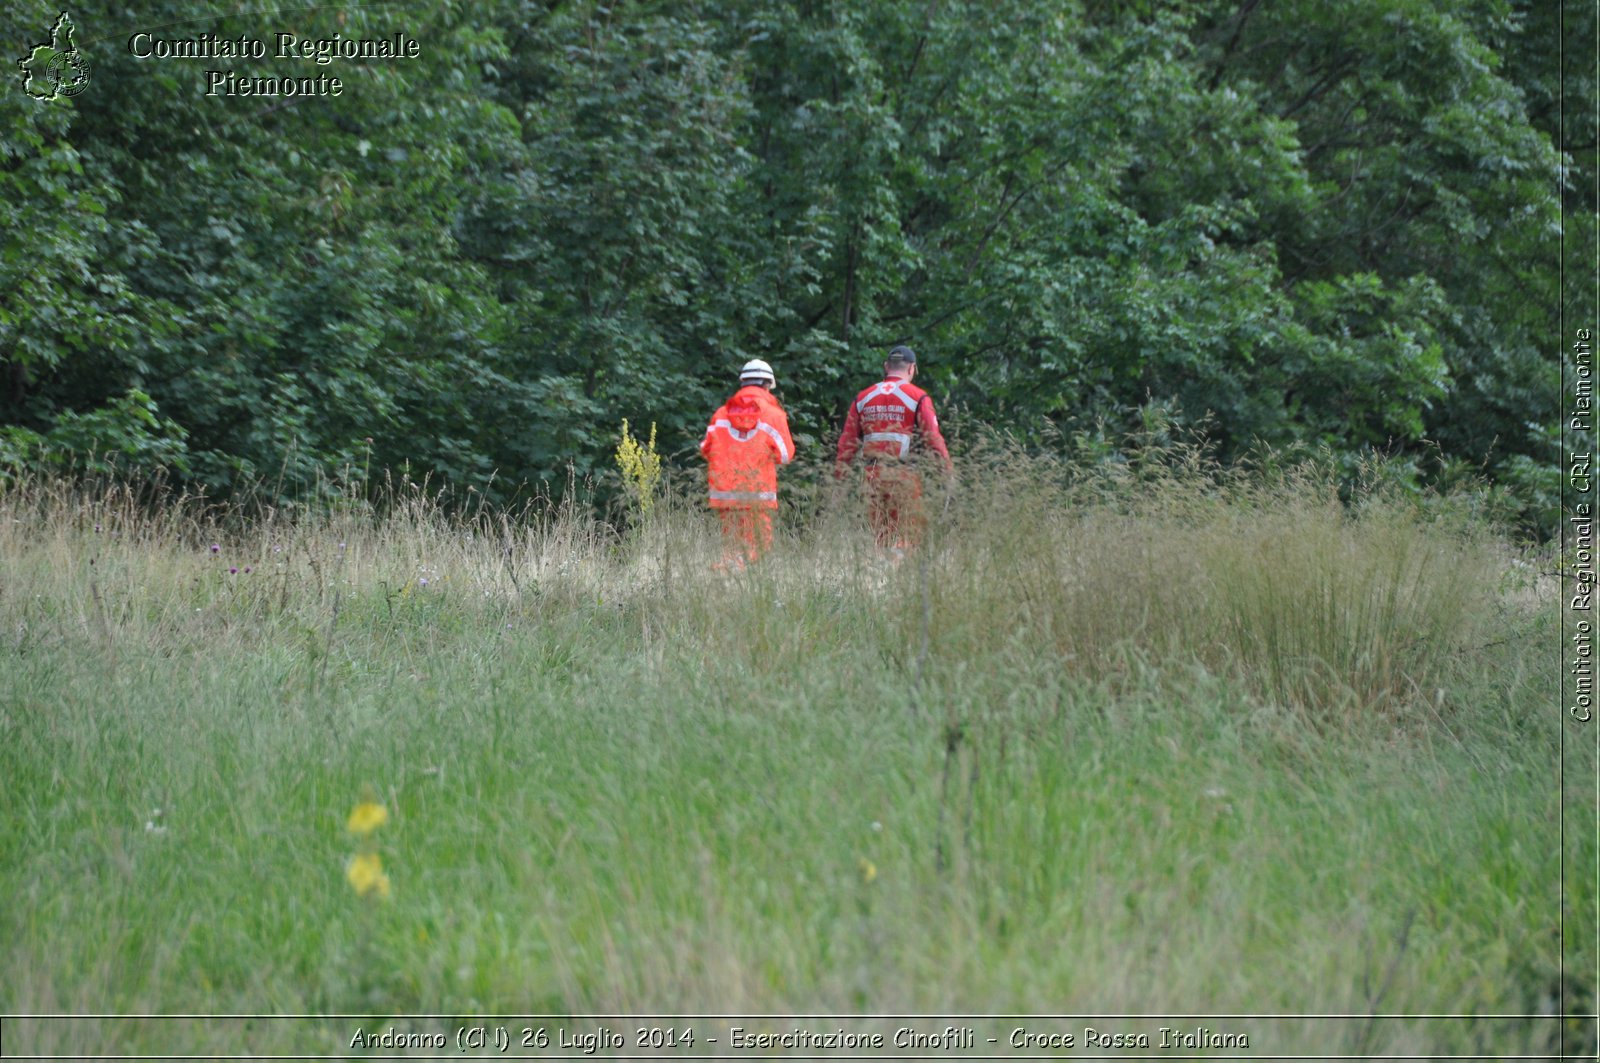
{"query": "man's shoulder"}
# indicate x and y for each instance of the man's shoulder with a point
(750, 393)
(768, 400)
(910, 391)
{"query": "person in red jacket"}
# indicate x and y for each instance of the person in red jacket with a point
(889, 427)
(747, 440)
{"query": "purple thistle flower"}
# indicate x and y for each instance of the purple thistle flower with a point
(247, 570)
(232, 571)
(215, 548)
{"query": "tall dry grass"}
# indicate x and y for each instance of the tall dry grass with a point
(1338, 610)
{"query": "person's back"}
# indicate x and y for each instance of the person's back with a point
(887, 413)
(888, 426)
(747, 440)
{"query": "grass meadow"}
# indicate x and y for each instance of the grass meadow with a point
(1153, 741)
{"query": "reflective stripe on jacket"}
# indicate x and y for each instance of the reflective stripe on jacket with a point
(747, 440)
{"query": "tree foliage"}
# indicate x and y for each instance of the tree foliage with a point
(1295, 223)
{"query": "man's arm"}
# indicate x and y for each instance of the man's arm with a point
(705, 440)
(780, 418)
(849, 442)
(928, 424)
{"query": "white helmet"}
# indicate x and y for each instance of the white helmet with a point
(756, 371)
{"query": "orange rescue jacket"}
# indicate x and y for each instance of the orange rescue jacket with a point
(747, 440)
(885, 420)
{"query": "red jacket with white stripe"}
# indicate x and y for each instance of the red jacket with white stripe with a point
(885, 421)
(747, 440)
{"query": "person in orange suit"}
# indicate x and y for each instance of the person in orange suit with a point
(747, 440)
(890, 425)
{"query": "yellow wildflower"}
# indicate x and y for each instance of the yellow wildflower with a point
(641, 467)
(366, 875)
(367, 817)
(868, 871)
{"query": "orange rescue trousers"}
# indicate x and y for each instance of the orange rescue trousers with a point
(746, 533)
(894, 506)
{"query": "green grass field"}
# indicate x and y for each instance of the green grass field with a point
(1168, 743)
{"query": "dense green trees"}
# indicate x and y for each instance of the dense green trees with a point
(1303, 223)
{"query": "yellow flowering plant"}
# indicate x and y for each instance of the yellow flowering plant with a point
(640, 466)
(365, 871)
(366, 817)
(366, 876)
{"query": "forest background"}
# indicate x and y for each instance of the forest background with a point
(1291, 225)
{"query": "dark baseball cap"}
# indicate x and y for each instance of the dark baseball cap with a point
(903, 355)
